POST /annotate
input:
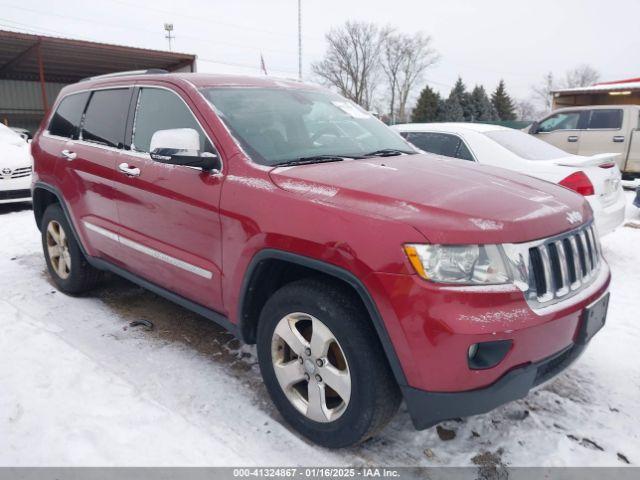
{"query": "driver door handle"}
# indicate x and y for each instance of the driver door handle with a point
(572, 138)
(129, 171)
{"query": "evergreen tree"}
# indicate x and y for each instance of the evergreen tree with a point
(502, 103)
(481, 105)
(464, 99)
(452, 110)
(427, 108)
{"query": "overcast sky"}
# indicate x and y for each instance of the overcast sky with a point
(482, 41)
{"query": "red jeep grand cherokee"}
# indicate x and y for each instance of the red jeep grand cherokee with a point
(366, 273)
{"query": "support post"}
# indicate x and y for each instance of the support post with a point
(43, 90)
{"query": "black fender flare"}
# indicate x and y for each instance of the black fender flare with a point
(63, 204)
(333, 271)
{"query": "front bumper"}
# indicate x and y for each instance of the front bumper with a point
(15, 189)
(432, 327)
(429, 408)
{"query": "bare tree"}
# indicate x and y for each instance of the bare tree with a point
(418, 55)
(526, 110)
(581, 76)
(391, 62)
(544, 91)
(352, 61)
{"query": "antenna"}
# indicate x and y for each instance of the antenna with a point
(168, 27)
(299, 39)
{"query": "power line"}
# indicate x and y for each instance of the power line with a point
(137, 28)
(208, 20)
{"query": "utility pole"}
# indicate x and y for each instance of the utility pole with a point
(168, 27)
(299, 39)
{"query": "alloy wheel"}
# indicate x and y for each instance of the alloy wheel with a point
(58, 250)
(311, 367)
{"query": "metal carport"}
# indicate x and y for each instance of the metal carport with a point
(34, 68)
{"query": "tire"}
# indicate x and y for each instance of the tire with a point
(67, 266)
(373, 396)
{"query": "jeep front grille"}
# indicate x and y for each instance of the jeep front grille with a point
(556, 268)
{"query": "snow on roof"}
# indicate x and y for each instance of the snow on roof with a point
(628, 84)
(448, 126)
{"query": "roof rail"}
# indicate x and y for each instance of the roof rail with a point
(149, 71)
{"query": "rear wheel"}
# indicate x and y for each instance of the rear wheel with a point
(322, 364)
(67, 266)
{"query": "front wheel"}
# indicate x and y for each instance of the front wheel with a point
(322, 364)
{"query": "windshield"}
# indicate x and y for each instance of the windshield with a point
(9, 136)
(525, 146)
(276, 125)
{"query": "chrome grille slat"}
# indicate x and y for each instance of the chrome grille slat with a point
(594, 246)
(576, 262)
(561, 266)
(587, 253)
(548, 278)
(564, 269)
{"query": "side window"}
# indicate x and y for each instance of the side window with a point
(560, 121)
(609, 119)
(106, 117)
(66, 121)
(160, 109)
(438, 143)
(464, 153)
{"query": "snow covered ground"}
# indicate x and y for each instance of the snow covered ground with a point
(78, 386)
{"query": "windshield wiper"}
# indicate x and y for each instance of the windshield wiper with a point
(310, 160)
(388, 152)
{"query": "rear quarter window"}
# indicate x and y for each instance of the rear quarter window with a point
(65, 122)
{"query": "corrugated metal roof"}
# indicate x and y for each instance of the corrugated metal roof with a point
(68, 61)
(629, 84)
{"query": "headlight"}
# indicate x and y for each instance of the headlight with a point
(460, 264)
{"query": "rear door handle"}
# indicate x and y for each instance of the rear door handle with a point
(618, 139)
(572, 138)
(68, 154)
(129, 171)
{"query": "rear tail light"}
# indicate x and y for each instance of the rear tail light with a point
(607, 165)
(578, 182)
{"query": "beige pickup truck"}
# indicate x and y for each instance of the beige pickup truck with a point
(595, 129)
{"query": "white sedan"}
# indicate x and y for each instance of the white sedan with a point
(16, 165)
(596, 177)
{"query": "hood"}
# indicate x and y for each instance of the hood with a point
(448, 200)
(15, 156)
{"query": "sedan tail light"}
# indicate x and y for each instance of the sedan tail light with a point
(578, 182)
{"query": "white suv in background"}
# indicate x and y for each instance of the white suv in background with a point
(16, 165)
(595, 177)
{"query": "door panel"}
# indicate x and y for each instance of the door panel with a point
(87, 186)
(605, 133)
(562, 129)
(169, 218)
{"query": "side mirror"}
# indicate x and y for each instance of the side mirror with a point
(534, 128)
(181, 146)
